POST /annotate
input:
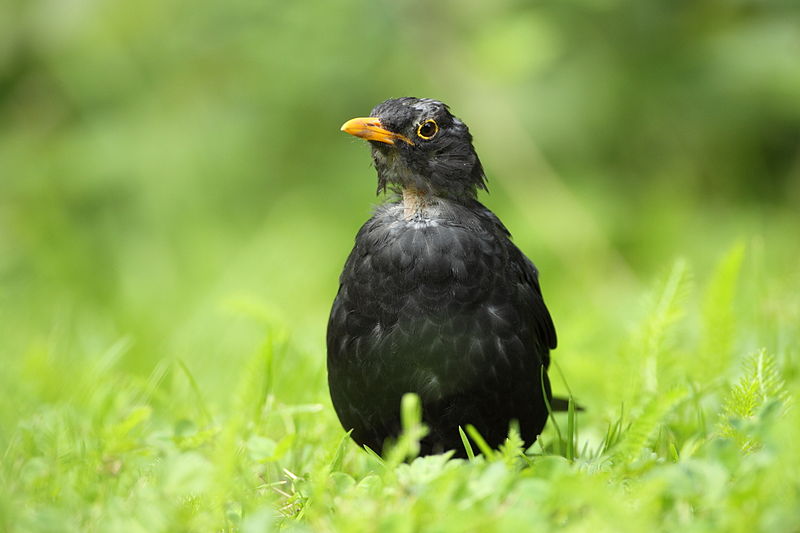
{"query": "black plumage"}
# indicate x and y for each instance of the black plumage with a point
(435, 298)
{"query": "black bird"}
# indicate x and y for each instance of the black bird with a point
(435, 299)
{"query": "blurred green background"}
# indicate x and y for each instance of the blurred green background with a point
(173, 181)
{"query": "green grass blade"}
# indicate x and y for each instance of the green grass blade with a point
(483, 446)
(467, 445)
(571, 430)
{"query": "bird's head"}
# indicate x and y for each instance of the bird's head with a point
(417, 144)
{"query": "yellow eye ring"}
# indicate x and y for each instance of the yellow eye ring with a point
(427, 129)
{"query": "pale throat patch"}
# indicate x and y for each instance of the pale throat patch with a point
(414, 201)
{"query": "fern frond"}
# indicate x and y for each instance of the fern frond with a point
(651, 343)
(759, 385)
(642, 430)
(718, 318)
(514, 447)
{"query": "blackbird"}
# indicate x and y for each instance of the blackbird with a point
(434, 298)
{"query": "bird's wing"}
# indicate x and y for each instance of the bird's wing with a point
(544, 323)
(529, 275)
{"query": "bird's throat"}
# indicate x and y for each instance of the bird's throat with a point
(414, 201)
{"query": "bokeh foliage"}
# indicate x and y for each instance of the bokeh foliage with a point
(176, 202)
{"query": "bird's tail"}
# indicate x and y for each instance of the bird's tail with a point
(562, 404)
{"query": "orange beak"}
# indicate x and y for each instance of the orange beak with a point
(371, 129)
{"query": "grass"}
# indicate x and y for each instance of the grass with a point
(701, 438)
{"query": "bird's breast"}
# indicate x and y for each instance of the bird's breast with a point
(428, 252)
(413, 293)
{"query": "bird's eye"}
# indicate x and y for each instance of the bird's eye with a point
(427, 129)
